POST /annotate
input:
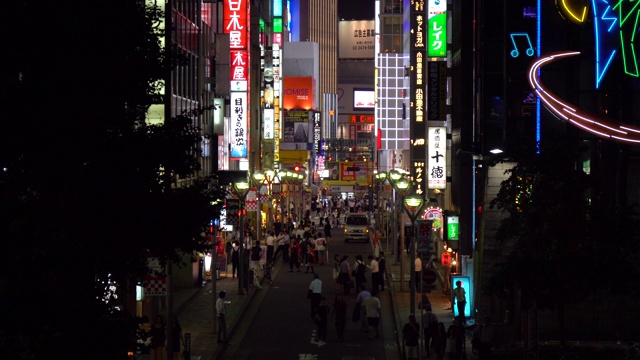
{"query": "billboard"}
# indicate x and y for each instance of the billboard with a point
(356, 39)
(417, 96)
(298, 93)
(437, 170)
(236, 24)
(364, 99)
(437, 25)
(296, 131)
(238, 134)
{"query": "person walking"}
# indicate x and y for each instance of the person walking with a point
(339, 314)
(271, 240)
(417, 278)
(327, 229)
(373, 313)
(322, 319)
(281, 248)
(440, 341)
(483, 339)
(382, 266)
(359, 271)
(321, 248)
(315, 290)
(177, 340)
(362, 296)
(221, 312)
(345, 274)
(411, 338)
(430, 327)
(235, 259)
(460, 300)
(375, 274)
(336, 272)
(158, 338)
(294, 251)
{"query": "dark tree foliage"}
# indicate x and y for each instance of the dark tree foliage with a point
(87, 193)
(566, 247)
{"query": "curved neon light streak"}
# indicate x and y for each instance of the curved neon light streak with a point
(594, 124)
(571, 13)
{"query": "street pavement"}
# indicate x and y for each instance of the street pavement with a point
(248, 322)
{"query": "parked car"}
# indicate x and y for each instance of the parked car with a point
(357, 227)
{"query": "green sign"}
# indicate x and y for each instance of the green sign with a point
(277, 25)
(453, 228)
(437, 28)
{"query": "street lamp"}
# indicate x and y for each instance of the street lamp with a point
(413, 205)
(257, 181)
(381, 177)
(269, 178)
(401, 186)
(241, 189)
(393, 176)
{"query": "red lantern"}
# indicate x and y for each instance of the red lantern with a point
(445, 259)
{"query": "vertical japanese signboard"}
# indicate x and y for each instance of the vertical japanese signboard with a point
(237, 26)
(437, 157)
(437, 28)
(238, 133)
(418, 60)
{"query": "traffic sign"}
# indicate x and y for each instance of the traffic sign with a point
(429, 276)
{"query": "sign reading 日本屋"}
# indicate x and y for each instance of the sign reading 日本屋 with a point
(238, 133)
(235, 23)
(437, 28)
(437, 170)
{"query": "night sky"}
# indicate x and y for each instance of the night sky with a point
(356, 9)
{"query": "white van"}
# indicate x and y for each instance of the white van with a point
(356, 227)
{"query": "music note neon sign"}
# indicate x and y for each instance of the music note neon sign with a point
(515, 53)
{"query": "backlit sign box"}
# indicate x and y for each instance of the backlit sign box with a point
(235, 23)
(437, 28)
(437, 162)
(298, 93)
(363, 99)
(238, 133)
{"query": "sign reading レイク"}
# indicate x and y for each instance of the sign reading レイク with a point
(437, 28)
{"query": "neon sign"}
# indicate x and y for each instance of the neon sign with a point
(604, 128)
(515, 52)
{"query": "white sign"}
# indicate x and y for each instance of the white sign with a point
(238, 134)
(437, 158)
(356, 39)
(267, 123)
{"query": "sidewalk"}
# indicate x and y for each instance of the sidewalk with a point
(194, 308)
(440, 303)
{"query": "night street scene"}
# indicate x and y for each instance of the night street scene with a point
(320, 179)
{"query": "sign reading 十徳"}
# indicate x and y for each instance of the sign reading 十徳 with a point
(437, 28)
(437, 168)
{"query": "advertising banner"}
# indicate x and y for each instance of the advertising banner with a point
(298, 93)
(296, 133)
(437, 19)
(235, 23)
(437, 90)
(437, 157)
(238, 134)
(417, 95)
(356, 39)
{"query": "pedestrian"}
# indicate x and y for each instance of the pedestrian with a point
(460, 299)
(221, 312)
(440, 341)
(158, 338)
(416, 279)
(374, 266)
(339, 314)
(411, 338)
(281, 248)
(312, 257)
(315, 291)
(430, 327)
(321, 248)
(362, 296)
(271, 240)
(373, 312)
(483, 339)
(359, 271)
(458, 336)
(382, 265)
(177, 341)
(294, 251)
(327, 229)
(345, 274)
(336, 272)
(235, 259)
(322, 318)
(256, 251)
(304, 251)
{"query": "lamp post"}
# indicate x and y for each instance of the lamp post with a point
(413, 205)
(381, 177)
(241, 189)
(393, 176)
(257, 181)
(269, 176)
(402, 186)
